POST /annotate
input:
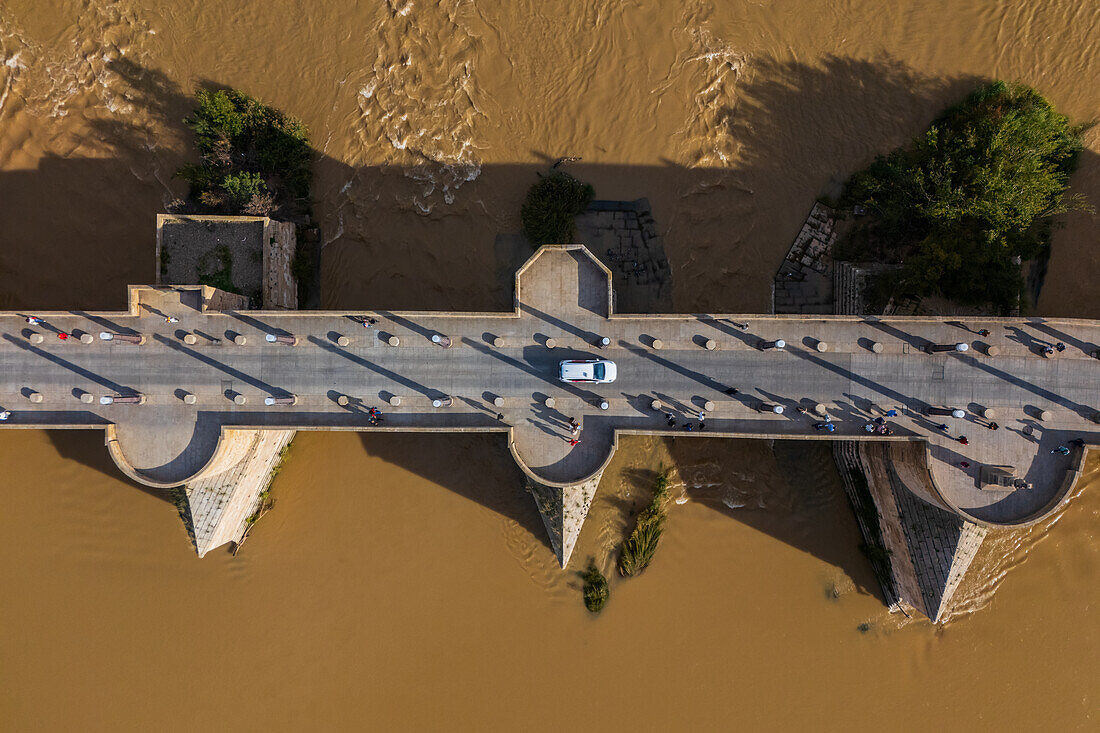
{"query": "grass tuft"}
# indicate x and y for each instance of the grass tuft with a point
(642, 543)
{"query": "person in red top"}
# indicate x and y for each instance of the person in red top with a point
(63, 336)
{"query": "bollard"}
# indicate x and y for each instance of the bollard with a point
(36, 338)
(445, 402)
(240, 340)
(550, 402)
(942, 348)
(87, 338)
(604, 404)
(287, 400)
(822, 346)
(777, 344)
(602, 341)
(239, 399)
(658, 344)
(189, 399)
(498, 342)
(498, 402)
(769, 407)
(190, 339)
(551, 343)
(1044, 415)
(820, 409)
(441, 340)
(656, 405)
(876, 347)
(395, 400)
(992, 350)
(708, 406)
(280, 339)
(710, 345)
(393, 341)
(35, 397)
(343, 341)
(87, 398)
(342, 400)
(989, 413)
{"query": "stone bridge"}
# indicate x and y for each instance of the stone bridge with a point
(176, 380)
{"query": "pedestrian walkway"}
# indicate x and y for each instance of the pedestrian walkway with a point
(166, 390)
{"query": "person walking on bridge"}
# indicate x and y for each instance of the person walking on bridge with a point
(1061, 449)
(828, 427)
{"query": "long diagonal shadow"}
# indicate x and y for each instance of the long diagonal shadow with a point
(563, 325)
(910, 402)
(91, 376)
(524, 366)
(702, 379)
(235, 373)
(1082, 410)
(1086, 347)
(391, 375)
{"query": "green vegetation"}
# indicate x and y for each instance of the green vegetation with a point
(596, 590)
(970, 198)
(218, 274)
(642, 543)
(550, 208)
(254, 159)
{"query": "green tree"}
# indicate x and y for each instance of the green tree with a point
(973, 195)
(253, 158)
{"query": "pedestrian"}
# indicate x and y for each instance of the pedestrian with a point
(573, 422)
(368, 322)
(1061, 449)
(963, 440)
(993, 426)
(373, 411)
(943, 426)
(63, 336)
(826, 426)
(33, 321)
(573, 441)
(828, 418)
(964, 464)
(891, 413)
(500, 416)
(688, 427)
(731, 391)
(702, 416)
(802, 410)
(171, 319)
(372, 420)
(869, 427)
(983, 332)
(671, 420)
(1048, 350)
(1059, 347)
(575, 430)
(5, 414)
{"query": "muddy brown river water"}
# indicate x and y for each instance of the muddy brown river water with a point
(404, 582)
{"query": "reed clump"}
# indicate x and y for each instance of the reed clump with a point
(642, 543)
(596, 588)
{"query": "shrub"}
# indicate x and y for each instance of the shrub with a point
(550, 208)
(973, 195)
(639, 548)
(253, 157)
(596, 589)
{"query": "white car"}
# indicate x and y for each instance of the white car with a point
(590, 371)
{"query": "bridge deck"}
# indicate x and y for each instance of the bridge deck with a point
(562, 294)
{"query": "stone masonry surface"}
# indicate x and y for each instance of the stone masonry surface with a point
(187, 381)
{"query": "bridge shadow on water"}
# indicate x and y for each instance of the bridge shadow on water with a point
(77, 231)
